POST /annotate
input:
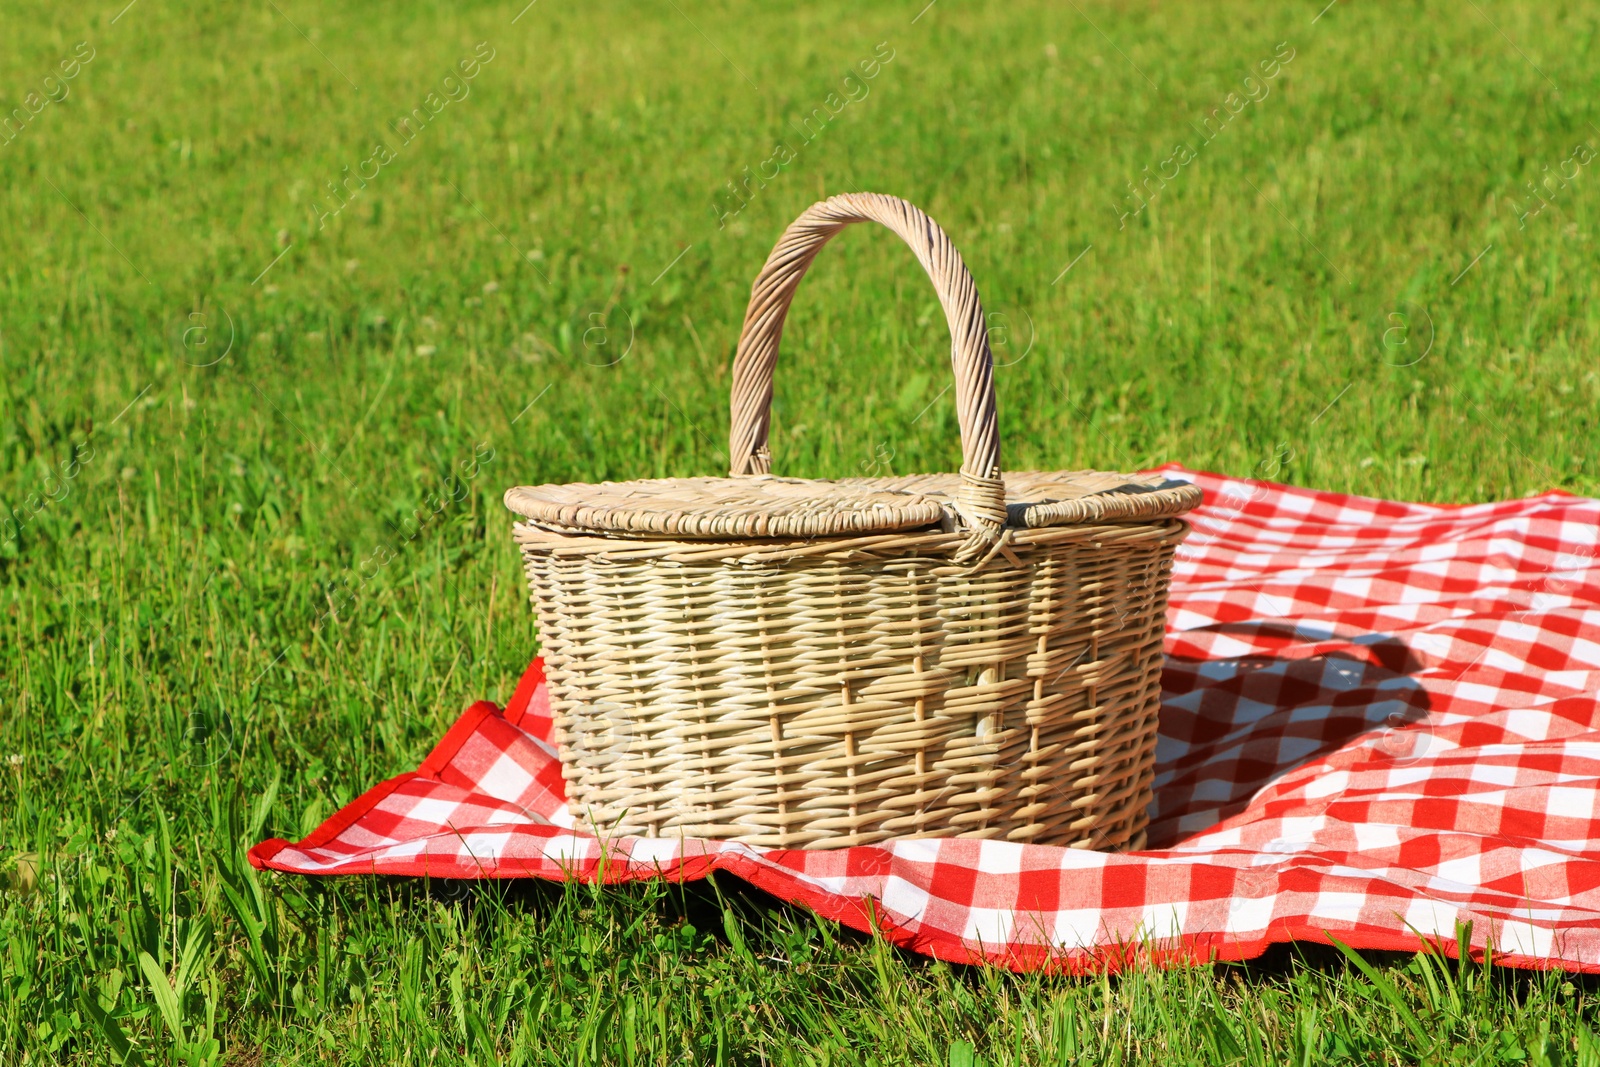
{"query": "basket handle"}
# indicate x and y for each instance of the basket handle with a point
(981, 500)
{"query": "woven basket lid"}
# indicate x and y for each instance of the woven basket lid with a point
(1066, 498)
(726, 508)
(765, 506)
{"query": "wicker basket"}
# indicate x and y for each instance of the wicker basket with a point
(802, 663)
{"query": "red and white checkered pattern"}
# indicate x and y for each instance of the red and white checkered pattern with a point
(1378, 721)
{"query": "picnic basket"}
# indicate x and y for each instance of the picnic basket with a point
(807, 663)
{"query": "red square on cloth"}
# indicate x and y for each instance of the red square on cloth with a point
(1378, 721)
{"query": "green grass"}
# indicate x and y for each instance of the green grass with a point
(201, 460)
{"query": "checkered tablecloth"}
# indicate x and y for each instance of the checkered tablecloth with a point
(1378, 723)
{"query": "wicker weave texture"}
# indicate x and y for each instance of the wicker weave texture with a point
(723, 508)
(820, 671)
(847, 697)
(762, 506)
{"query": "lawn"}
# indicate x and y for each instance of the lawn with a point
(291, 293)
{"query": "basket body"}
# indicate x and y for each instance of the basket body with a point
(850, 690)
(804, 663)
